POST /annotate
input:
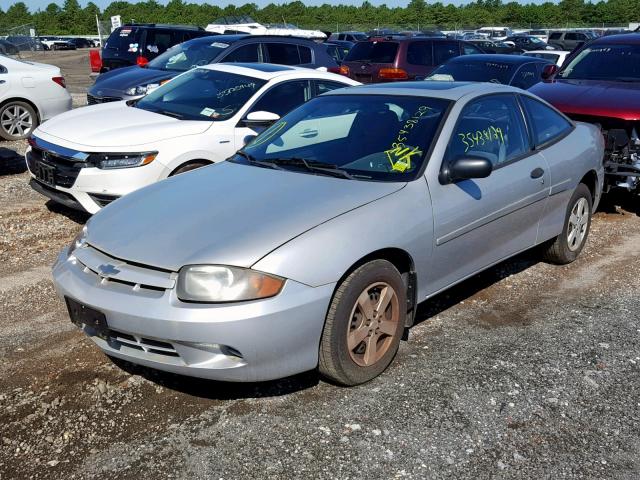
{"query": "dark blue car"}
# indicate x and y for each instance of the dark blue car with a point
(133, 82)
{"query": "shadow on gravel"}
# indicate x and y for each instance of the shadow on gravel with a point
(74, 215)
(476, 284)
(11, 162)
(622, 199)
(214, 390)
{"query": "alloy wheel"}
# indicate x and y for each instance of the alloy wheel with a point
(578, 223)
(374, 320)
(16, 120)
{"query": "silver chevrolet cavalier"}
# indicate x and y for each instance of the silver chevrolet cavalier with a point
(311, 247)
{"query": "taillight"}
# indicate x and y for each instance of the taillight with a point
(95, 61)
(393, 74)
(142, 61)
(60, 81)
(344, 70)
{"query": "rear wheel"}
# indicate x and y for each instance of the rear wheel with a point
(17, 120)
(566, 247)
(364, 324)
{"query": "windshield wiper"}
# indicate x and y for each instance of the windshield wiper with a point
(253, 161)
(313, 166)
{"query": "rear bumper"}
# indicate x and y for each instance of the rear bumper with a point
(248, 341)
(54, 106)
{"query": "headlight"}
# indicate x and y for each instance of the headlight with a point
(122, 160)
(141, 89)
(217, 283)
(78, 241)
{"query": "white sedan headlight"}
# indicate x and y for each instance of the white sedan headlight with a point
(218, 283)
(106, 161)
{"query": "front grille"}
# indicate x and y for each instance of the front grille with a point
(66, 169)
(94, 100)
(109, 271)
(147, 345)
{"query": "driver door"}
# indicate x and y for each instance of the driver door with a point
(480, 222)
(279, 99)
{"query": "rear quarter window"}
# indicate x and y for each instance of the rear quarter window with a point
(547, 124)
(124, 39)
(555, 36)
(419, 53)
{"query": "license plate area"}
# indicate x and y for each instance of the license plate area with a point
(45, 173)
(81, 315)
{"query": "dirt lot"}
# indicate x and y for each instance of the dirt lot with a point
(525, 371)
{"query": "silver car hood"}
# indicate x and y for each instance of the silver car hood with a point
(226, 214)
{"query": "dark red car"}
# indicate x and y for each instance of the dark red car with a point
(601, 84)
(401, 58)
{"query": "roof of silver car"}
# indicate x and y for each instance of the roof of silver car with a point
(427, 88)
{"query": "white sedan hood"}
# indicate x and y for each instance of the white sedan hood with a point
(117, 125)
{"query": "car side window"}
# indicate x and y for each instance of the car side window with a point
(158, 41)
(419, 53)
(245, 53)
(547, 124)
(284, 54)
(443, 51)
(490, 127)
(570, 36)
(468, 49)
(284, 97)
(323, 86)
(305, 54)
(555, 36)
(526, 76)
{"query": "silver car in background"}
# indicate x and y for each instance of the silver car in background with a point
(312, 246)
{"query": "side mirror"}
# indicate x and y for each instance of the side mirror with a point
(549, 71)
(260, 119)
(466, 168)
(247, 139)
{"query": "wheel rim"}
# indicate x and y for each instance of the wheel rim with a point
(578, 222)
(373, 324)
(16, 121)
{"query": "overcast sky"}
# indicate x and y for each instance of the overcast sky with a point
(41, 4)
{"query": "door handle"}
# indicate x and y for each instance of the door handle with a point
(308, 133)
(537, 173)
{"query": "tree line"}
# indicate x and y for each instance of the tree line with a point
(73, 19)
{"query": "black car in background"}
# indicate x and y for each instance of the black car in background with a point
(132, 82)
(137, 44)
(7, 48)
(25, 43)
(515, 70)
(490, 46)
(80, 42)
(526, 43)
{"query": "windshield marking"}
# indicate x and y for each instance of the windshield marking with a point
(401, 160)
(230, 90)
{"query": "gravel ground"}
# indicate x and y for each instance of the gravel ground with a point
(525, 371)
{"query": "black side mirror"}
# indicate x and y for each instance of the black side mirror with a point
(466, 168)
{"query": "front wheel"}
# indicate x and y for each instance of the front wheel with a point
(364, 324)
(566, 247)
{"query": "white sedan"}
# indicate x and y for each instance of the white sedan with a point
(89, 157)
(556, 56)
(30, 93)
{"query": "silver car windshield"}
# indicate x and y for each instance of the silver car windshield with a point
(202, 94)
(369, 137)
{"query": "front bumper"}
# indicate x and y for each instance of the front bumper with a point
(94, 188)
(248, 341)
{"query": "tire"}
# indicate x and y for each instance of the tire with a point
(12, 130)
(566, 247)
(187, 167)
(360, 292)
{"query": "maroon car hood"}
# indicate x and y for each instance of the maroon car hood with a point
(592, 97)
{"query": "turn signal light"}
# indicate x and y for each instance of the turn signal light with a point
(344, 70)
(60, 81)
(393, 74)
(142, 61)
